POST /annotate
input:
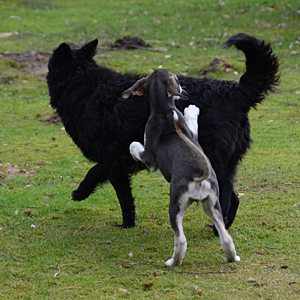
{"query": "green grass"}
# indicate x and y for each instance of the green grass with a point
(73, 252)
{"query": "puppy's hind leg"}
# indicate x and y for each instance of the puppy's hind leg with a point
(213, 210)
(176, 212)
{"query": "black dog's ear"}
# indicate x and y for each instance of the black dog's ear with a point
(63, 51)
(137, 89)
(90, 49)
(61, 56)
(173, 89)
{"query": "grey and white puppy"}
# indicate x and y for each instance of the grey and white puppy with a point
(171, 145)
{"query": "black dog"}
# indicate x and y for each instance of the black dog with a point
(172, 146)
(87, 98)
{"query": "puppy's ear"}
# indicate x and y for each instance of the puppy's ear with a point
(137, 89)
(90, 49)
(173, 88)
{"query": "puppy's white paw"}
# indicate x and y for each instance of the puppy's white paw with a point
(192, 110)
(172, 263)
(169, 262)
(136, 149)
(191, 114)
(236, 258)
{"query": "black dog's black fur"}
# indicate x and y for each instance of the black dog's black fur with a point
(88, 99)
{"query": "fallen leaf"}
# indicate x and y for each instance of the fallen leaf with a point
(8, 34)
(152, 218)
(257, 284)
(28, 211)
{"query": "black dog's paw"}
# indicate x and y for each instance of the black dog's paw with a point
(78, 196)
(216, 233)
(125, 226)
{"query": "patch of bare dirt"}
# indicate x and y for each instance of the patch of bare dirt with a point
(26, 56)
(37, 61)
(217, 64)
(36, 68)
(53, 120)
(10, 170)
(130, 43)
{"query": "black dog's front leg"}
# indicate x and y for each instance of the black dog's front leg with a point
(120, 180)
(95, 176)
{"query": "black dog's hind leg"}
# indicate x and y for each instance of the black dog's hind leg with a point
(120, 179)
(234, 204)
(95, 176)
(229, 202)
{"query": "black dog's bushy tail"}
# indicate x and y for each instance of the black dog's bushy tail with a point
(261, 66)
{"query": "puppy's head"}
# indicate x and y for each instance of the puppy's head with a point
(167, 78)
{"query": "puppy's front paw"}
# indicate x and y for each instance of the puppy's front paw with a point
(136, 149)
(192, 110)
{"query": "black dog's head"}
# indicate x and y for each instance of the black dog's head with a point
(157, 77)
(65, 63)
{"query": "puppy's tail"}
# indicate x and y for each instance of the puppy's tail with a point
(261, 76)
(204, 160)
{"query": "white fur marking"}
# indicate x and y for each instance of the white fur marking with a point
(191, 114)
(175, 115)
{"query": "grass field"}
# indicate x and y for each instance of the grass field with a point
(54, 248)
